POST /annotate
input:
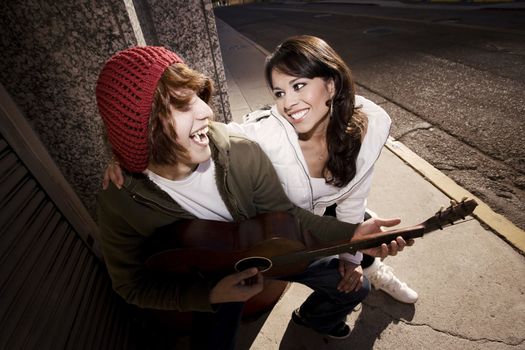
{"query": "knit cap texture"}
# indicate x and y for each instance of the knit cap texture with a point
(125, 90)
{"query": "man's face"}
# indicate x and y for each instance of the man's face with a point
(191, 126)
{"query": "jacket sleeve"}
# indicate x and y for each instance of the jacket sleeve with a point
(352, 209)
(124, 232)
(269, 196)
(249, 129)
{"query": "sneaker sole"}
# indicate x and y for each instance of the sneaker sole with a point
(405, 301)
(339, 337)
(298, 320)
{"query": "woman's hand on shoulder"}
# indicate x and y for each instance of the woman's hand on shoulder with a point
(113, 173)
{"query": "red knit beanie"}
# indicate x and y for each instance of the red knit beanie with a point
(125, 90)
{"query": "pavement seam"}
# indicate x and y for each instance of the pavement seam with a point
(232, 86)
(503, 227)
(497, 223)
(426, 127)
(449, 333)
(436, 126)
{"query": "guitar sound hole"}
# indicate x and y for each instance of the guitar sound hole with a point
(261, 263)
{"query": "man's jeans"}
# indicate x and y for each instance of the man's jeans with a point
(326, 307)
(217, 330)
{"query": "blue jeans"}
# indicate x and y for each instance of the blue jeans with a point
(326, 307)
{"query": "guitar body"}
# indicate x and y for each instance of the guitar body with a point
(272, 242)
(216, 249)
(213, 248)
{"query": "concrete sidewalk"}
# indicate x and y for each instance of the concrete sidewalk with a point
(471, 283)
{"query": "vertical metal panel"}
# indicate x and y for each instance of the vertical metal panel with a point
(54, 292)
(24, 143)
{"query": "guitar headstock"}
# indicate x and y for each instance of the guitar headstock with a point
(456, 211)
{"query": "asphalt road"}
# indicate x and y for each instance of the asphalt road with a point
(453, 81)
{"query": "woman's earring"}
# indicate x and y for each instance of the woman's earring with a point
(331, 107)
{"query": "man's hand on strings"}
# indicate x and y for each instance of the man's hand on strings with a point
(236, 287)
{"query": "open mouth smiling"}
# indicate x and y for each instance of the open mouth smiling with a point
(200, 136)
(299, 115)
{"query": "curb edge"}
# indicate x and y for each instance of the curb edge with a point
(497, 222)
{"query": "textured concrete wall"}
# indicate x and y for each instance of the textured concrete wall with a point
(51, 54)
(188, 28)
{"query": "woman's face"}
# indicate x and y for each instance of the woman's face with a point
(302, 101)
(191, 126)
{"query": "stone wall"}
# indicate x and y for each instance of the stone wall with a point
(188, 28)
(51, 54)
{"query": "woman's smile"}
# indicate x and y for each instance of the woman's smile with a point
(303, 101)
(298, 116)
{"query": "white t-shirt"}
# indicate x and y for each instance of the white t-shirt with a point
(197, 194)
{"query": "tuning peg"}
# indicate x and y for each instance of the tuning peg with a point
(464, 205)
(439, 212)
(438, 216)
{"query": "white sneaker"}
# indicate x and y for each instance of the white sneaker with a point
(382, 277)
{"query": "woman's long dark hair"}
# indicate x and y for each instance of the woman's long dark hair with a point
(311, 57)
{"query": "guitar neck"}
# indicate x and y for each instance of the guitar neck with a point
(441, 219)
(373, 240)
(272, 242)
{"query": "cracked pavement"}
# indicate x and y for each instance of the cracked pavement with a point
(492, 180)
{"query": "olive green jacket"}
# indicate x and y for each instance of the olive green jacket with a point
(248, 185)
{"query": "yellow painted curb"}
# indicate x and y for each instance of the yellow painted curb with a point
(501, 225)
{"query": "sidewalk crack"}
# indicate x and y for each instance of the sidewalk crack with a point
(511, 342)
(418, 126)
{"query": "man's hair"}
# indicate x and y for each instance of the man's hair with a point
(174, 90)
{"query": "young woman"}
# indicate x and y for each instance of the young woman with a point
(180, 165)
(323, 141)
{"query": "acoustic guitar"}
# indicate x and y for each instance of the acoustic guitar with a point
(272, 242)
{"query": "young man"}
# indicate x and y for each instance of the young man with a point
(180, 165)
